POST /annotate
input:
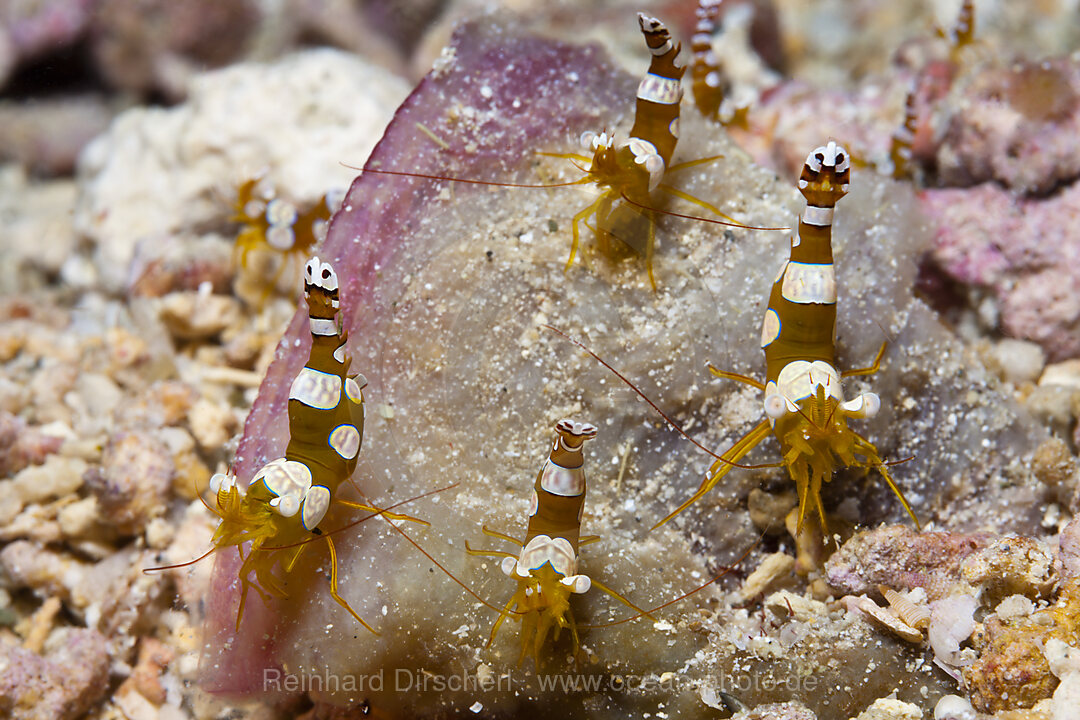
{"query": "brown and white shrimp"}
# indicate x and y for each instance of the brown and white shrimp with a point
(279, 513)
(546, 567)
(627, 173)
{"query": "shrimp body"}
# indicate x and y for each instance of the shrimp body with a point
(962, 32)
(903, 138)
(289, 496)
(632, 169)
(271, 222)
(706, 78)
(636, 166)
(804, 402)
(546, 567)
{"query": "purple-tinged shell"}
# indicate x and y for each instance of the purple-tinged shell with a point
(903, 559)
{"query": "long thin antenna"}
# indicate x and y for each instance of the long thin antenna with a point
(467, 181)
(653, 405)
(179, 565)
(442, 567)
(682, 597)
(728, 223)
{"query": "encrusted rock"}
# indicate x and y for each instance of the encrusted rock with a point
(1011, 670)
(145, 678)
(1029, 277)
(1064, 374)
(1009, 566)
(1064, 662)
(159, 268)
(21, 445)
(163, 403)
(133, 481)
(768, 510)
(773, 567)
(212, 424)
(38, 237)
(1014, 125)
(79, 518)
(198, 315)
(1014, 606)
(953, 707)
(1016, 361)
(785, 604)
(46, 135)
(1068, 555)
(143, 46)
(49, 573)
(890, 709)
(56, 477)
(62, 685)
(1057, 467)
(793, 710)
(902, 558)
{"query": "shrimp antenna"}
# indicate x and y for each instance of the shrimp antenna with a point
(438, 564)
(654, 406)
(195, 488)
(354, 523)
(467, 181)
(714, 221)
(205, 555)
(891, 463)
(699, 588)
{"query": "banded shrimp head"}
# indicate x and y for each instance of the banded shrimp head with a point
(826, 175)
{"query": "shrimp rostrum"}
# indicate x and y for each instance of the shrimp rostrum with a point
(804, 403)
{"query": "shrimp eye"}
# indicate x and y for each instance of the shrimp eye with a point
(820, 157)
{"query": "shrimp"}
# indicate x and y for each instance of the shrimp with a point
(804, 402)
(633, 169)
(546, 568)
(627, 172)
(962, 32)
(270, 222)
(712, 89)
(903, 138)
(280, 512)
